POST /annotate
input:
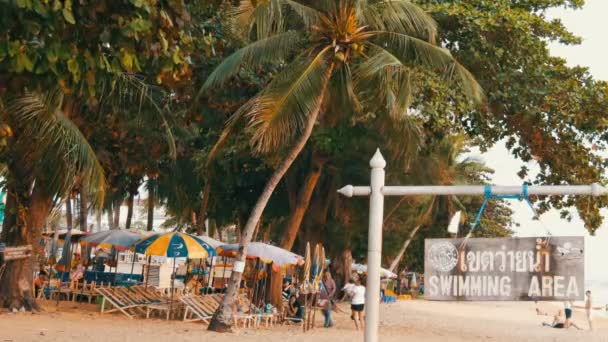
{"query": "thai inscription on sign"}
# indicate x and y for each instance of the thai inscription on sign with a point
(14, 253)
(536, 268)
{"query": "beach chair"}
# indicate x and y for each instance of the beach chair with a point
(149, 293)
(87, 290)
(119, 301)
(66, 289)
(198, 308)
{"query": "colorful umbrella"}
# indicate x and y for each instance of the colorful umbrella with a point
(119, 239)
(265, 252)
(384, 273)
(211, 241)
(175, 245)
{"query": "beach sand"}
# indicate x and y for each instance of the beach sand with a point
(416, 320)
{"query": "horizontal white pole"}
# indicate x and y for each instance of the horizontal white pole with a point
(593, 189)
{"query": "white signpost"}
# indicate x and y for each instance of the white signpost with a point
(377, 190)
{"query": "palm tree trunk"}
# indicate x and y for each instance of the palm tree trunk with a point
(342, 267)
(202, 216)
(117, 205)
(129, 210)
(17, 282)
(98, 219)
(397, 259)
(302, 203)
(111, 217)
(222, 318)
(84, 209)
(68, 212)
(150, 223)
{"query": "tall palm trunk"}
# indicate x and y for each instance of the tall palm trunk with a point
(222, 318)
(397, 259)
(202, 215)
(68, 213)
(117, 205)
(84, 210)
(302, 202)
(98, 219)
(133, 187)
(150, 223)
(129, 210)
(17, 282)
(111, 217)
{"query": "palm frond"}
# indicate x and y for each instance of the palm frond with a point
(309, 15)
(268, 50)
(229, 130)
(126, 89)
(280, 111)
(261, 19)
(412, 51)
(400, 16)
(62, 153)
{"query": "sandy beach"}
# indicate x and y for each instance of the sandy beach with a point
(415, 320)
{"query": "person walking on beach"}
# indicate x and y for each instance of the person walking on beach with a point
(568, 313)
(329, 286)
(357, 294)
(589, 308)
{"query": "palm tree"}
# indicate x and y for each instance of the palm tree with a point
(46, 156)
(358, 49)
(441, 166)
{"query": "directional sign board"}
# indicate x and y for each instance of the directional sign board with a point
(507, 269)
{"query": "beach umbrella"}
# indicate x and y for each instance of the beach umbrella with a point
(265, 252)
(384, 273)
(119, 239)
(211, 241)
(174, 245)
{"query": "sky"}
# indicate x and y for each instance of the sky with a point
(589, 23)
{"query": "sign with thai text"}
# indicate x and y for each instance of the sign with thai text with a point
(513, 269)
(15, 253)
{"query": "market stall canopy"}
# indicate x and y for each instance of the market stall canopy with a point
(175, 245)
(265, 252)
(211, 241)
(384, 273)
(119, 239)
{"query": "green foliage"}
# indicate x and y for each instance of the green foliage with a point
(547, 111)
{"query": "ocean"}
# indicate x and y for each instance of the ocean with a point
(599, 293)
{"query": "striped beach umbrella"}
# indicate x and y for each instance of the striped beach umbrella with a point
(119, 239)
(175, 245)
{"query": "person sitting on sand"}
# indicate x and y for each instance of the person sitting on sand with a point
(40, 282)
(294, 309)
(357, 294)
(288, 289)
(559, 322)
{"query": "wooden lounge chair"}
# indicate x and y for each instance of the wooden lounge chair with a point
(66, 289)
(119, 301)
(87, 290)
(201, 308)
